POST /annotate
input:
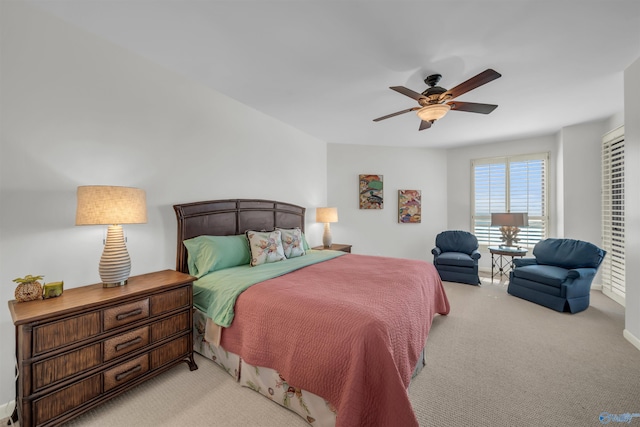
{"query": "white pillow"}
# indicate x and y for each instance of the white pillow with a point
(266, 246)
(292, 242)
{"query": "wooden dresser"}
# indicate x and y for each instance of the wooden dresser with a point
(93, 343)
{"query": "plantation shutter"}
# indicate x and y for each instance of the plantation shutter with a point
(613, 236)
(528, 193)
(510, 184)
(490, 187)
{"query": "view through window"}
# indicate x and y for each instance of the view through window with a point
(510, 184)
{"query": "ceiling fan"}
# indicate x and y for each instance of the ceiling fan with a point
(436, 101)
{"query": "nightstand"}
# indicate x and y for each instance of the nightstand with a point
(92, 343)
(335, 247)
(499, 261)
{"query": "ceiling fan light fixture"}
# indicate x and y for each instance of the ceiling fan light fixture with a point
(433, 112)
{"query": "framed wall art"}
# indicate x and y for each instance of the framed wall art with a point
(371, 192)
(409, 206)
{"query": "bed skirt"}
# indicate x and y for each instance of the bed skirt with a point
(268, 382)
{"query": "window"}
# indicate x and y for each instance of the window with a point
(613, 266)
(510, 184)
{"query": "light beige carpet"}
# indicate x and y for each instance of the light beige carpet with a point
(498, 360)
(495, 360)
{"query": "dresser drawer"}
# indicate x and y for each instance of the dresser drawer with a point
(170, 326)
(126, 313)
(58, 368)
(170, 300)
(50, 336)
(55, 404)
(126, 372)
(126, 343)
(171, 351)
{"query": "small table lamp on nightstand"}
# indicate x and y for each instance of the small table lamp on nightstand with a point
(327, 215)
(112, 206)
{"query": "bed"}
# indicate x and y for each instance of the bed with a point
(334, 337)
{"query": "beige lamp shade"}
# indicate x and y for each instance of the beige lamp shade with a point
(107, 205)
(326, 215)
(510, 219)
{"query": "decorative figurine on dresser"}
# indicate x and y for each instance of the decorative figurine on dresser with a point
(93, 343)
(29, 288)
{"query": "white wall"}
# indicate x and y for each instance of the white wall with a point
(582, 181)
(377, 232)
(632, 201)
(615, 121)
(77, 110)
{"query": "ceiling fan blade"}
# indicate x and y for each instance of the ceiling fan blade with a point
(483, 78)
(408, 92)
(472, 107)
(424, 125)
(396, 114)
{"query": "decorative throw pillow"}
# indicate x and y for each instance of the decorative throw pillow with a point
(292, 242)
(210, 253)
(265, 246)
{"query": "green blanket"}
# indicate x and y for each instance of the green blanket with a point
(216, 293)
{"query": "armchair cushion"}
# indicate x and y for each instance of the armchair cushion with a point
(455, 258)
(546, 274)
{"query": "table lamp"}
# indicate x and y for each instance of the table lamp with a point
(112, 206)
(327, 215)
(509, 223)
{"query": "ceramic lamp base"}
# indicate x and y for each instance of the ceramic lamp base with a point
(327, 240)
(115, 264)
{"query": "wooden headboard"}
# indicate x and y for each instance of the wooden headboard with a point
(231, 217)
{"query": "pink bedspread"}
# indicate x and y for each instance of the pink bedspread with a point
(372, 314)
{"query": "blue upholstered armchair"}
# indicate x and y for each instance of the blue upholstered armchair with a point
(456, 257)
(560, 275)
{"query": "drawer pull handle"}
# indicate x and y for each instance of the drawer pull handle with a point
(128, 343)
(125, 374)
(129, 314)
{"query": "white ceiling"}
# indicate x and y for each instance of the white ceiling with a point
(324, 67)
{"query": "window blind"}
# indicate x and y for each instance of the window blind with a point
(510, 184)
(613, 224)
